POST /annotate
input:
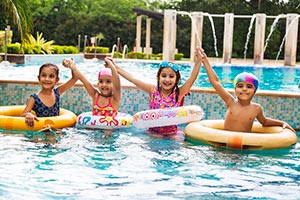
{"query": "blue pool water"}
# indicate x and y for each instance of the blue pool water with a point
(130, 164)
(271, 77)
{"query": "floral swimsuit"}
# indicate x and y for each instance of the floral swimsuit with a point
(156, 102)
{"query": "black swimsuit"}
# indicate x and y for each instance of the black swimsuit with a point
(42, 110)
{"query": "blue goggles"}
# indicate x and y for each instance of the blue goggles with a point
(169, 64)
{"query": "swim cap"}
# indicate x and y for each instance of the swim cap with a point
(104, 72)
(246, 77)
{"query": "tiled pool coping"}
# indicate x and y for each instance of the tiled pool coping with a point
(276, 105)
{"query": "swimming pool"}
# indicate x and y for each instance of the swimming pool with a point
(271, 78)
(86, 164)
(130, 164)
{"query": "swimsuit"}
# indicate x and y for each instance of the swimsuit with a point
(107, 110)
(41, 110)
(156, 102)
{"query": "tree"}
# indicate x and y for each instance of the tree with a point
(18, 11)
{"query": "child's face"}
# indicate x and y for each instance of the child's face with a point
(48, 77)
(167, 78)
(105, 85)
(244, 91)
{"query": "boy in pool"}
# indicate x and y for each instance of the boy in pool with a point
(166, 93)
(241, 111)
(46, 103)
(106, 98)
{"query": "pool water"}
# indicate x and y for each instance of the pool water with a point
(130, 164)
(270, 77)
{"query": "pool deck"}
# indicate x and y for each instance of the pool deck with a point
(235, 61)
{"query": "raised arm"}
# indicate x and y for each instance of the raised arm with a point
(69, 63)
(214, 80)
(67, 85)
(115, 79)
(140, 84)
(193, 76)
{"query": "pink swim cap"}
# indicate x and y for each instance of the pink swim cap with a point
(104, 72)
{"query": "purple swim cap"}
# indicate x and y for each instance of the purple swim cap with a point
(248, 78)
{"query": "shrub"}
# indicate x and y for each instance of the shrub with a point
(39, 45)
(2, 39)
(14, 48)
(98, 49)
(159, 56)
(120, 55)
(179, 56)
(136, 55)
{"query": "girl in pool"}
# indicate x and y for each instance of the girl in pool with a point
(166, 93)
(46, 103)
(241, 111)
(106, 98)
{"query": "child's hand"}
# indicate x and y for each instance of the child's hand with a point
(29, 120)
(285, 125)
(108, 60)
(199, 55)
(68, 62)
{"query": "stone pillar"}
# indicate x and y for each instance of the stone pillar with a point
(148, 49)
(259, 40)
(138, 47)
(228, 37)
(291, 39)
(169, 40)
(196, 32)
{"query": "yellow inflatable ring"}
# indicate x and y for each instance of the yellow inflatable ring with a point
(211, 132)
(10, 119)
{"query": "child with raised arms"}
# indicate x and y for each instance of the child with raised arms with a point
(241, 111)
(167, 92)
(106, 97)
(46, 103)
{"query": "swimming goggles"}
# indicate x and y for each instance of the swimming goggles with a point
(169, 64)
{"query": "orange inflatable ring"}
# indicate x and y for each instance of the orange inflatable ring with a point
(10, 119)
(268, 137)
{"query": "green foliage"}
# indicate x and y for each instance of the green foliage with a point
(14, 48)
(98, 49)
(18, 12)
(39, 45)
(2, 40)
(160, 56)
(136, 55)
(63, 21)
(179, 56)
(57, 49)
(119, 55)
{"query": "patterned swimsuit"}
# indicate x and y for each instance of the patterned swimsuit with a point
(156, 102)
(42, 110)
(107, 110)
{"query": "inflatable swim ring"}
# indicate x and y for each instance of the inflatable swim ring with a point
(167, 116)
(268, 137)
(87, 120)
(10, 119)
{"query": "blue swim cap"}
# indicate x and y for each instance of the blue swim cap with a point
(248, 78)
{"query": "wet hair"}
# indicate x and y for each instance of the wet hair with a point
(178, 79)
(55, 67)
